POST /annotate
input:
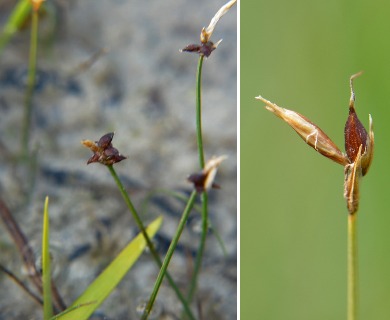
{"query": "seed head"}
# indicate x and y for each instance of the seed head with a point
(206, 47)
(356, 135)
(359, 144)
(103, 150)
(204, 180)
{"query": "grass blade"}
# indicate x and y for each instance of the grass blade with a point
(102, 286)
(46, 269)
(15, 21)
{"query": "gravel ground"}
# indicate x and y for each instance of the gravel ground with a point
(142, 88)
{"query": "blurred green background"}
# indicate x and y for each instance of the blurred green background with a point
(300, 55)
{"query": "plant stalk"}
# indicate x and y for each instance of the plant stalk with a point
(199, 256)
(46, 264)
(147, 239)
(352, 267)
(199, 111)
(169, 254)
(201, 248)
(30, 83)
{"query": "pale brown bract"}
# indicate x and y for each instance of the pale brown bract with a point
(206, 33)
(352, 175)
(308, 131)
(359, 144)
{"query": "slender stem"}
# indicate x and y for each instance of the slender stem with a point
(199, 111)
(35, 297)
(202, 245)
(46, 264)
(130, 205)
(352, 267)
(30, 83)
(147, 239)
(169, 254)
(199, 256)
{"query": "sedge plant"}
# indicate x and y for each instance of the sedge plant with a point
(204, 180)
(105, 153)
(359, 146)
(204, 49)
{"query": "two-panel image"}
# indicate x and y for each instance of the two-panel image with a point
(195, 160)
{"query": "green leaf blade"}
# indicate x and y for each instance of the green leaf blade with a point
(46, 268)
(15, 21)
(102, 286)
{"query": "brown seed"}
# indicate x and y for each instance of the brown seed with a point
(355, 135)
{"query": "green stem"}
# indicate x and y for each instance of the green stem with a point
(199, 111)
(46, 264)
(169, 254)
(352, 267)
(202, 245)
(199, 256)
(30, 83)
(148, 241)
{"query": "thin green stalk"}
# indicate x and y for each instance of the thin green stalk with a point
(169, 255)
(199, 111)
(199, 256)
(202, 245)
(352, 267)
(46, 265)
(148, 241)
(30, 83)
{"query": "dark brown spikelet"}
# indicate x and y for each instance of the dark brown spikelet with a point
(204, 49)
(191, 48)
(103, 150)
(355, 135)
(198, 179)
(105, 141)
(204, 180)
